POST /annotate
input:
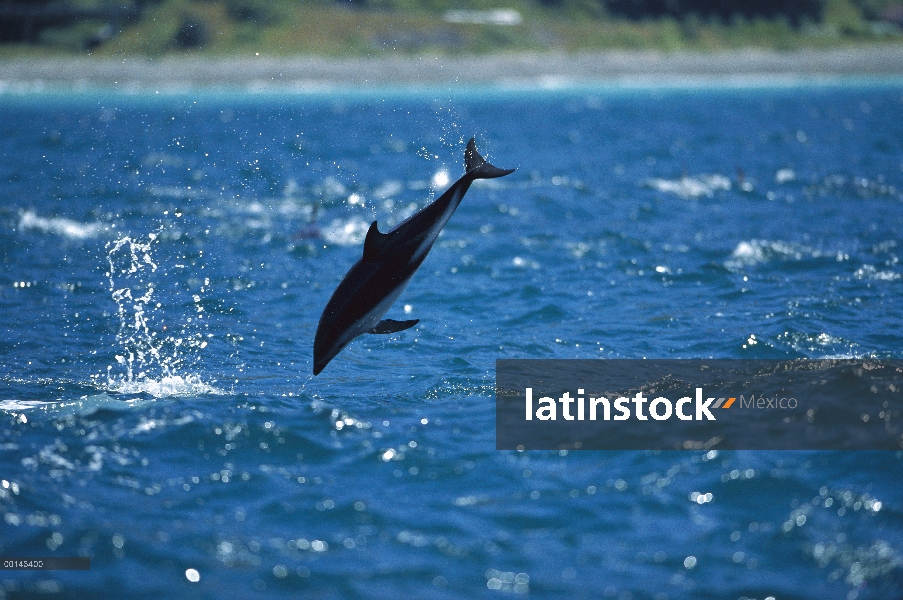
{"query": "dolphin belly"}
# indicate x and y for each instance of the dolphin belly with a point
(350, 323)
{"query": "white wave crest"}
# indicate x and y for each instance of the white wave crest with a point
(872, 272)
(169, 386)
(60, 226)
(82, 406)
(17, 405)
(690, 187)
(756, 252)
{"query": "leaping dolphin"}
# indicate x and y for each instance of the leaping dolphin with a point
(390, 259)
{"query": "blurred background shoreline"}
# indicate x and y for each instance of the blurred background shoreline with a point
(436, 27)
(373, 28)
(316, 44)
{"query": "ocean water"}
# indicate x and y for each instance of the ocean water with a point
(166, 257)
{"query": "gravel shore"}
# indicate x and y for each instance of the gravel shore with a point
(318, 73)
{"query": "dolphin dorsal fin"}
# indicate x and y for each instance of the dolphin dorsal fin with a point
(472, 158)
(373, 243)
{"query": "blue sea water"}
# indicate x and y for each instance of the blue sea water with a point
(165, 260)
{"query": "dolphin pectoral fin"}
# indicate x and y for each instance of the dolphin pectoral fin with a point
(390, 326)
(476, 166)
(373, 243)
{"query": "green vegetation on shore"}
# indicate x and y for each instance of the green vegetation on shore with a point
(359, 27)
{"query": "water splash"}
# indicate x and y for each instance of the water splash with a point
(153, 357)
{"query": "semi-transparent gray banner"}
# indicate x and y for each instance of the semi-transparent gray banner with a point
(849, 404)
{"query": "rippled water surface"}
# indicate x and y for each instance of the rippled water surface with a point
(165, 261)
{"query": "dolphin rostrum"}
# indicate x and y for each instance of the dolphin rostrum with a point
(389, 260)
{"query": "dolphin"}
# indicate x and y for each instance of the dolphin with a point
(389, 261)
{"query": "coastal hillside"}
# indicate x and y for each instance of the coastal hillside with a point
(442, 27)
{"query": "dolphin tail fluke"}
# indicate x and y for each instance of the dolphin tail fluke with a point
(390, 326)
(476, 165)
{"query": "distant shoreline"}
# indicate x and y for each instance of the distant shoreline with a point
(521, 70)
